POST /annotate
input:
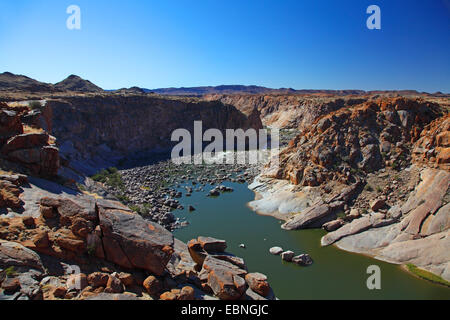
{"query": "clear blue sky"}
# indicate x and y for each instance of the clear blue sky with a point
(314, 44)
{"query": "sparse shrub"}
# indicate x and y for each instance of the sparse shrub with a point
(368, 187)
(10, 271)
(91, 250)
(341, 214)
(111, 177)
(379, 189)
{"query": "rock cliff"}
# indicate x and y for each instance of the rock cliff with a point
(92, 131)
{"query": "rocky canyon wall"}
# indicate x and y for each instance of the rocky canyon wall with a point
(93, 132)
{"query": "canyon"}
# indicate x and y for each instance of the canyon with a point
(371, 168)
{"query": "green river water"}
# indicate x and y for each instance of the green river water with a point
(335, 274)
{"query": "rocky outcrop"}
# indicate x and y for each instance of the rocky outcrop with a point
(34, 151)
(433, 147)
(284, 110)
(351, 142)
(415, 232)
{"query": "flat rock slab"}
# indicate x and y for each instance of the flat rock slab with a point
(212, 245)
(431, 252)
(356, 226)
(426, 199)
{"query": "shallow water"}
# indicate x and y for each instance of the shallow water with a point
(335, 274)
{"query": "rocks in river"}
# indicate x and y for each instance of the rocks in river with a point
(276, 250)
(242, 246)
(287, 255)
(224, 274)
(303, 259)
(191, 208)
(214, 193)
(223, 188)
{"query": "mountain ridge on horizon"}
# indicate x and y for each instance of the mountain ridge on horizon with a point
(15, 82)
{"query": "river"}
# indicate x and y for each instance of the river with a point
(335, 274)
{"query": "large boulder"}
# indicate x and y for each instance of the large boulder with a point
(132, 242)
(225, 279)
(307, 217)
(15, 255)
(258, 283)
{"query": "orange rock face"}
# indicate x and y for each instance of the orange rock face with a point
(363, 138)
(433, 147)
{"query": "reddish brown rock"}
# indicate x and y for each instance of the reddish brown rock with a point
(212, 245)
(132, 242)
(11, 284)
(98, 279)
(41, 240)
(377, 204)
(114, 285)
(168, 296)
(152, 285)
(258, 283)
(127, 279)
(187, 293)
(225, 284)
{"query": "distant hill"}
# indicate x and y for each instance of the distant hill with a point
(240, 89)
(19, 83)
(13, 82)
(75, 83)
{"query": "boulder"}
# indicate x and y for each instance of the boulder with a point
(377, 204)
(226, 285)
(132, 242)
(98, 279)
(212, 245)
(114, 285)
(307, 217)
(196, 252)
(258, 283)
(187, 293)
(287, 255)
(16, 255)
(152, 285)
(276, 250)
(333, 225)
(303, 259)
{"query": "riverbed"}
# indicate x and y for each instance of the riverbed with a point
(335, 274)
